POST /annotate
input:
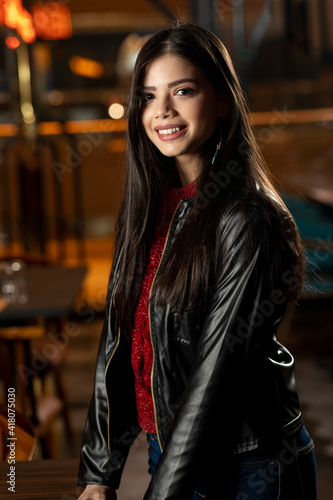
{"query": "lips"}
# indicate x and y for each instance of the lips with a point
(170, 132)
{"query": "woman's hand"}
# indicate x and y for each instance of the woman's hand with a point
(98, 492)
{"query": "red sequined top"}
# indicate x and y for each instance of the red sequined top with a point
(142, 351)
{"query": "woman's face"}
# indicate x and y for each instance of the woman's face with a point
(180, 108)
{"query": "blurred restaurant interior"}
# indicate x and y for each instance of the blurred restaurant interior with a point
(65, 68)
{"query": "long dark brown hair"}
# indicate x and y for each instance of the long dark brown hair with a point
(184, 274)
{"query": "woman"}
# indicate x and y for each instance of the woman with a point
(207, 257)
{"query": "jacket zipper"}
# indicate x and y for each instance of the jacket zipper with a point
(149, 318)
(106, 369)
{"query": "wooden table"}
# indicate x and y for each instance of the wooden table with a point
(51, 296)
(41, 480)
(51, 293)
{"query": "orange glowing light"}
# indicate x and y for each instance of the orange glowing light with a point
(52, 21)
(17, 17)
(86, 67)
(12, 42)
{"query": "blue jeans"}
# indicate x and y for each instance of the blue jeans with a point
(287, 474)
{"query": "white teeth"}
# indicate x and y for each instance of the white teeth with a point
(168, 131)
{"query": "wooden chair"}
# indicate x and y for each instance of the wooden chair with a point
(34, 400)
(25, 442)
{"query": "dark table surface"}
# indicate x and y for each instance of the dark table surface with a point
(41, 480)
(51, 293)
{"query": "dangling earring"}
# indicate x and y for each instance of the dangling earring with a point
(216, 151)
(224, 111)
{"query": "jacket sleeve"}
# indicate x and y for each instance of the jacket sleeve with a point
(234, 327)
(98, 463)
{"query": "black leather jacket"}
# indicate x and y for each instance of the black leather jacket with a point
(220, 379)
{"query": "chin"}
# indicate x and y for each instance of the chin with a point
(172, 154)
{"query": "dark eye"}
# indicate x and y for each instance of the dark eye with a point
(185, 91)
(146, 97)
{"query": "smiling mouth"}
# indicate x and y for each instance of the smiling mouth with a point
(170, 131)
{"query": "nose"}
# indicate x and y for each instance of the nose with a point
(164, 108)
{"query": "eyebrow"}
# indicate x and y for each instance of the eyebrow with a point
(173, 84)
